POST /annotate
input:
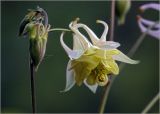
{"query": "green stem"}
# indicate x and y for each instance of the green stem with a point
(33, 96)
(59, 29)
(151, 104)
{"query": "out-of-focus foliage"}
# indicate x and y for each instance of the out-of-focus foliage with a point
(132, 90)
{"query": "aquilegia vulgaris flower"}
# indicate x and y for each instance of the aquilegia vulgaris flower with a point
(144, 23)
(91, 63)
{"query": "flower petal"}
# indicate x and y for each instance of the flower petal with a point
(150, 6)
(77, 45)
(149, 23)
(93, 88)
(73, 54)
(154, 33)
(108, 45)
(83, 66)
(112, 52)
(113, 67)
(91, 34)
(142, 27)
(112, 44)
(123, 58)
(66, 48)
(85, 43)
(70, 79)
(104, 35)
(102, 43)
(91, 79)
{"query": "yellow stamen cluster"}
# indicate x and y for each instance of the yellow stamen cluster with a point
(98, 75)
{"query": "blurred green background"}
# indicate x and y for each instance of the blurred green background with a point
(132, 89)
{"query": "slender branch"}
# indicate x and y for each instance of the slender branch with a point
(139, 40)
(137, 44)
(33, 96)
(121, 66)
(151, 104)
(134, 47)
(59, 29)
(112, 21)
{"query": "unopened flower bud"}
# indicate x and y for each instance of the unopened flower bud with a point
(122, 8)
(38, 35)
(35, 26)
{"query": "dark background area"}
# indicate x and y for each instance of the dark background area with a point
(132, 90)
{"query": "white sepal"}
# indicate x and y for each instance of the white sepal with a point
(123, 58)
(108, 45)
(70, 80)
(91, 34)
(85, 43)
(104, 35)
(93, 88)
(73, 54)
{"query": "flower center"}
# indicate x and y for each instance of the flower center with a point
(101, 78)
(100, 73)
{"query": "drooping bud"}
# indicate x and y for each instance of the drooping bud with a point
(122, 8)
(35, 26)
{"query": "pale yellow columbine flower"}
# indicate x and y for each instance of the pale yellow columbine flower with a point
(91, 63)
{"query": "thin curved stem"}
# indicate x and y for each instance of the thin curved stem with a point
(112, 21)
(59, 29)
(151, 104)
